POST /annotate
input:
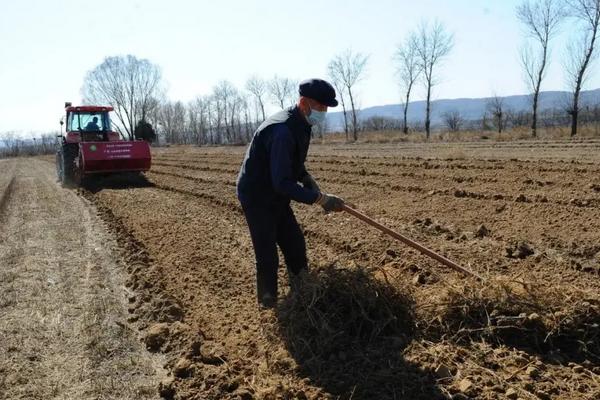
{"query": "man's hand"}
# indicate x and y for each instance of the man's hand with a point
(330, 202)
(309, 183)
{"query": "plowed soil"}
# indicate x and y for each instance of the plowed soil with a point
(523, 215)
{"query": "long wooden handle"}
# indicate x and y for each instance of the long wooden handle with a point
(410, 242)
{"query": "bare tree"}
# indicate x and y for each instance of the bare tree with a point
(236, 111)
(172, 121)
(320, 129)
(198, 110)
(282, 91)
(153, 109)
(379, 123)
(339, 88)
(46, 143)
(495, 106)
(224, 94)
(433, 44)
(349, 68)
(128, 84)
(217, 118)
(408, 69)
(453, 120)
(258, 88)
(247, 125)
(581, 52)
(11, 144)
(165, 122)
(541, 20)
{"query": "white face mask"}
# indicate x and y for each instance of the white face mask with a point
(316, 117)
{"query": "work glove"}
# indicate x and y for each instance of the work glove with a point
(309, 183)
(330, 202)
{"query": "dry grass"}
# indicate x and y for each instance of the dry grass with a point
(63, 331)
(589, 131)
(519, 313)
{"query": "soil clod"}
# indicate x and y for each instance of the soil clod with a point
(156, 336)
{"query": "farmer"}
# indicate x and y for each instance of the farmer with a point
(92, 125)
(269, 179)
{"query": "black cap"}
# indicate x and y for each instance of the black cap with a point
(319, 90)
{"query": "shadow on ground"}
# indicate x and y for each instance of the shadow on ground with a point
(347, 332)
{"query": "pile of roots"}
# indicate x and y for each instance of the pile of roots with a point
(347, 329)
(337, 309)
(350, 330)
(519, 314)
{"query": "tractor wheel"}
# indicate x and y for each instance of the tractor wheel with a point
(68, 153)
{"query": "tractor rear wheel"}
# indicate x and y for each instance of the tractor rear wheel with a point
(66, 163)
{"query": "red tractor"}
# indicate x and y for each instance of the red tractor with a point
(90, 147)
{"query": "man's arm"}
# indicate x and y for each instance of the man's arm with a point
(281, 155)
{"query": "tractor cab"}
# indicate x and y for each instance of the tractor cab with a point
(89, 124)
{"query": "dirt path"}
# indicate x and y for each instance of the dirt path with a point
(63, 330)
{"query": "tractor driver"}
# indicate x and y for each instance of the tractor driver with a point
(92, 125)
(269, 179)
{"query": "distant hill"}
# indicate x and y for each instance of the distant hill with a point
(469, 109)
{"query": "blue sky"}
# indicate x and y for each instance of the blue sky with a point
(46, 47)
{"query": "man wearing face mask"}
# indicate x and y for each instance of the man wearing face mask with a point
(272, 175)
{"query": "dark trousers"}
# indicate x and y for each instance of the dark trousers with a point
(271, 225)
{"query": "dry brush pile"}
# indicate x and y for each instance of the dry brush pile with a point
(519, 313)
(344, 327)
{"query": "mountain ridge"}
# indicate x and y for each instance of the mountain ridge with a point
(469, 108)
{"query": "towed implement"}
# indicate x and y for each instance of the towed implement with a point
(89, 147)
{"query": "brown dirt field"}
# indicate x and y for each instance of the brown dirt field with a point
(375, 319)
(531, 331)
(63, 316)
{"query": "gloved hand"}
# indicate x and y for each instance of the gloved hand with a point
(309, 183)
(330, 202)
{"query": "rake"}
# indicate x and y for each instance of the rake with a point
(424, 250)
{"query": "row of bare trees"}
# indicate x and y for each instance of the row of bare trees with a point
(13, 145)
(497, 116)
(224, 116)
(229, 114)
(417, 59)
(542, 20)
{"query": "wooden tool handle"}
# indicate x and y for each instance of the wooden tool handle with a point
(410, 242)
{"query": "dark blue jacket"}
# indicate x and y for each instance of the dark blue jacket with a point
(274, 161)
